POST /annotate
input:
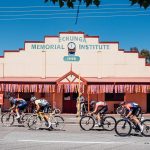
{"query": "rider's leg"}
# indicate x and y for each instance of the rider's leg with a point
(17, 112)
(135, 119)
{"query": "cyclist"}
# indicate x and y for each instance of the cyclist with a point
(17, 104)
(133, 111)
(100, 109)
(42, 105)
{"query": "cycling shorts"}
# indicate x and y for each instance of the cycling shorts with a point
(103, 110)
(45, 108)
(22, 106)
(136, 111)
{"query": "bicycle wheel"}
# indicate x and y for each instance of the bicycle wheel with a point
(24, 119)
(109, 123)
(57, 122)
(34, 122)
(7, 119)
(123, 127)
(87, 123)
(146, 125)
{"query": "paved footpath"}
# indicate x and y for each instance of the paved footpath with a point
(72, 119)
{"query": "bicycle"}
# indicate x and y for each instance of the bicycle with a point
(124, 126)
(36, 120)
(88, 122)
(8, 118)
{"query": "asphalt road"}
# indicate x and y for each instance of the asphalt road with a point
(71, 138)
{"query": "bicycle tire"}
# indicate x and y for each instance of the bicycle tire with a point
(7, 119)
(57, 122)
(146, 124)
(109, 123)
(122, 125)
(34, 122)
(24, 119)
(87, 123)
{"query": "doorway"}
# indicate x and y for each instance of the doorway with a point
(69, 102)
(148, 103)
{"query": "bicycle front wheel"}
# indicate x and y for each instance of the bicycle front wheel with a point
(7, 119)
(57, 122)
(146, 126)
(109, 123)
(87, 123)
(34, 122)
(25, 119)
(123, 127)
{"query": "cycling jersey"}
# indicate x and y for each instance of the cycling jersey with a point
(101, 103)
(41, 102)
(16, 101)
(131, 106)
(19, 103)
(101, 107)
(134, 108)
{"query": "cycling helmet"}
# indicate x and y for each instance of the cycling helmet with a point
(92, 102)
(33, 98)
(10, 99)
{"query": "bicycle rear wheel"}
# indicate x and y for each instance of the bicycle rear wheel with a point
(87, 123)
(146, 125)
(109, 123)
(34, 122)
(57, 122)
(7, 119)
(123, 127)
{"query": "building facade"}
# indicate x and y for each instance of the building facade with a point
(59, 67)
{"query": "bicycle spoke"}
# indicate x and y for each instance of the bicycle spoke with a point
(7, 119)
(146, 125)
(57, 122)
(109, 123)
(34, 122)
(123, 128)
(87, 123)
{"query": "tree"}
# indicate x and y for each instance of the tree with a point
(70, 3)
(134, 49)
(146, 54)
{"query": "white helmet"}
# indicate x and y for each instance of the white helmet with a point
(33, 98)
(10, 99)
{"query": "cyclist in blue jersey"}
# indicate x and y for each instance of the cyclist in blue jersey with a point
(17, 104)
(133, 111)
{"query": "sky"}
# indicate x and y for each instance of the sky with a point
(31, 20)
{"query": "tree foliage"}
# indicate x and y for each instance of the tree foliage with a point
(70, 3)
(145, 53)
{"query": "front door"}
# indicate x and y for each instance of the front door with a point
(69, 102)
(148, 103)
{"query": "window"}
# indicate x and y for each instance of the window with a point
(114, 96)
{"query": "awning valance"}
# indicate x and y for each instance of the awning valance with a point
(91, 89)
(119, 88)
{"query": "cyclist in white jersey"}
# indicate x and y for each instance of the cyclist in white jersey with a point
(42, 105)
(100, 109)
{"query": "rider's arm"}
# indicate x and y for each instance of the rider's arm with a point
(37, 106)
(11, 108)
(130, 111)
(95, 110)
